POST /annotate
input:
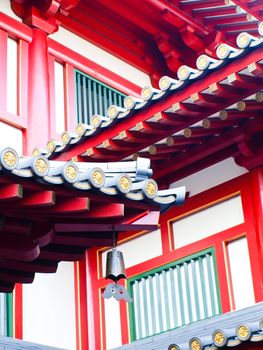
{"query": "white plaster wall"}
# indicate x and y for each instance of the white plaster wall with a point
(241, 273)
(101, 57)
(59, 98)
(11, 92)
(49, 308)
(208, 221)
(211, 176)
(135, 251)
(112, 323)
(11, 137)
(5, 7)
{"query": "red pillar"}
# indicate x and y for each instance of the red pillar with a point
(38, 92)
(257, 198)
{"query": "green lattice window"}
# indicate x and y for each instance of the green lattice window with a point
(6, 314)
(94, 97)
(174, 295)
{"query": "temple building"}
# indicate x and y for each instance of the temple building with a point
(135, 128)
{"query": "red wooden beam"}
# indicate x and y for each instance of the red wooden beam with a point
(11, 192)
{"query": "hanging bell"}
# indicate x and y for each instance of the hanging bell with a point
(115, 269)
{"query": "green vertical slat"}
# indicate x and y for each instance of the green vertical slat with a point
(110, 97)
(196, 294)
(79, 103)
(152, 303)
(188, 295)
(145, 307)
(89, 92)
(202, 278)
(120, 101)
(171, 272)
(132, 312)
(100, 106)
(166, 299)
(9, 314)
(138, 308)
(115, 98)
(84, 97)
(105, 101)
(180, 294)
(159, 301)
(95, 101)
(211, 284)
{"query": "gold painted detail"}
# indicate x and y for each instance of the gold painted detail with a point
(41, 165)
(164, 83)
(152, 150)
(241, 106)
(65, 137)
(35, 152)
(183, 73)
(97, 177)
(95, 121)
(146, 92)
(124, 183)
(112, 111)
(151, 188)
(202, 62)
(260, 28)
(71, 172)
(195, 345)
(243, 40)
(80, 129)
(9, 158)
(173, 347)
(222, 51)
(219, 338)
(129, 102)
(243, 332)
(51, 145)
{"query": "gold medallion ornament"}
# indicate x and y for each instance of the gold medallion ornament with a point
(243, 332)
(260, 28)
(243, 40)
(202, 62)
(51, 145)
(223, 51)
(173, 347)
(35, 152)
(219, 338)
(183, 73)
(97, 177)
(65, 137)
(195, 344)
(150, 188)
(146, 93)
(124, 183)
(9, 158)
(129, 102)
(112, 111)
(95, 121)
(164, 83)
(40, 166)
(71, 173)
(80, 130)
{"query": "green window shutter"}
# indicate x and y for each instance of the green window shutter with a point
(6, 314)
(94, 97)
(174, 295)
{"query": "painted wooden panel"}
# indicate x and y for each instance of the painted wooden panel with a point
(112, 323)
(208, 221)
(12, 82)
(6, 314)
(59, 97)
(49, 309)
(180, 293)
(134, 250)
(240, 269)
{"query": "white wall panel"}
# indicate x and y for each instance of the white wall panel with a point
(5, 7)
(59, 98)
(49, 308)
(208, 221)
(112, 323)
(241, 273)
(11, 137)
(211, 176)
(135, 251)
(12, 59)
(101, 57)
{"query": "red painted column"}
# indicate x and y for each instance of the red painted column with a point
(257, 197)
(38, 92)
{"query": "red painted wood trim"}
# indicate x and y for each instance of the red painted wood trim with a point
(15, 28)
(18, 311)
(70, 96)
(66, 55)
